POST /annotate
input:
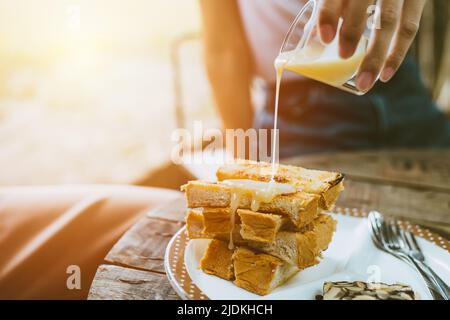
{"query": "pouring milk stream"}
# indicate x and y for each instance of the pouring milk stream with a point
(311, 59)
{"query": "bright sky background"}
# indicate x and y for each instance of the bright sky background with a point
(42, 27)
(86, 87)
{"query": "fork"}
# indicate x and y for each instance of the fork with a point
(415, 252)
(385, 239)
(382, 237)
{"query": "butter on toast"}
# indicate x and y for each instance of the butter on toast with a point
(301, 208)
(325, 184)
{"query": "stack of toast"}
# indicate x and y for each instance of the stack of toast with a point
(260, 242)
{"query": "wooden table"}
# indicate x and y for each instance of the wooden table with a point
(407, 184)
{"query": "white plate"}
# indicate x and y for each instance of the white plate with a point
(350, 256)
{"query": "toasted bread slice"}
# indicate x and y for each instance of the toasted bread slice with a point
(249, 225)
(261, 227)
(301, 248)
(217, 260)
(195, 225)
(325, 184)
(218, 220)
(256, 272)
(195, 229)
(300, 207)
(252, 225)
(260, 273)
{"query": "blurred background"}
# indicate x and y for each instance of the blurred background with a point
(89, 89)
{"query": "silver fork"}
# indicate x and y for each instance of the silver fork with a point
(415, 252)
(386, 240)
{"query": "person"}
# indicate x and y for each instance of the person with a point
(243, 37)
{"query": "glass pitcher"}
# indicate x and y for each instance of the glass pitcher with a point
(304, 53)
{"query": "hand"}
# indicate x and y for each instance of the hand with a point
(399, 23)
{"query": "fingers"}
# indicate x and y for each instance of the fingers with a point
(354, 23)
(405, 34)
(329, 13)
(375, 58)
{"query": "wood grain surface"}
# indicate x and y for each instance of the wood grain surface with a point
(119, 283)
(414, 185)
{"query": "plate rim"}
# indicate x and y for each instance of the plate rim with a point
(170, 276)
(344, 211)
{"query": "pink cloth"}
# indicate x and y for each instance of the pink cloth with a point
(44, 230)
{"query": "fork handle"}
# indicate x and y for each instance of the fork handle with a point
(433, 287)
(444, 288)
(436, 291)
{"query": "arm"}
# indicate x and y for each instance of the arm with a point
(228, 62)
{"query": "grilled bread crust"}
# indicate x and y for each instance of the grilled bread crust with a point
(325, 184)
(301, 208)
